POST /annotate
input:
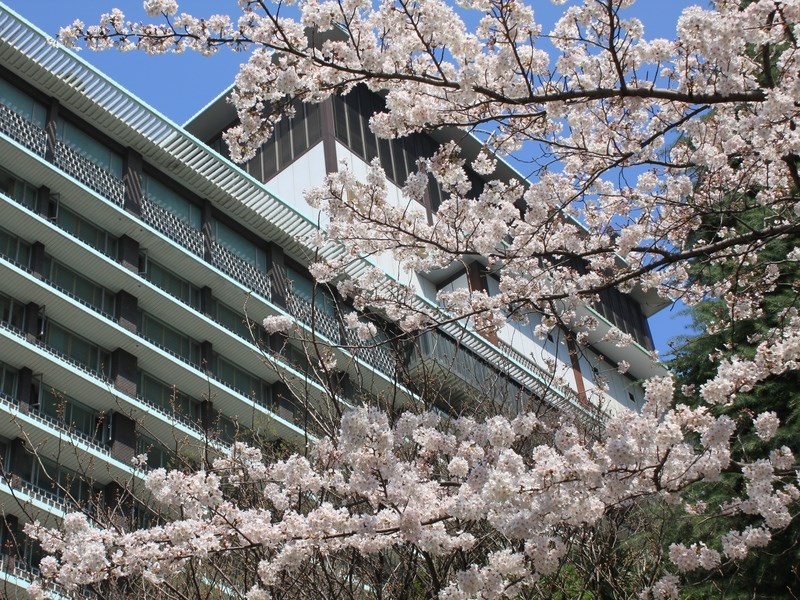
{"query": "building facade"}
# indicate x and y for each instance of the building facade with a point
(135, 260)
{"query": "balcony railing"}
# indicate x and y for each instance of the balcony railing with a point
(95, 373)
(172, 226)
(170, 415)
(68, 430)
(78, 299)
(187, 360)
(469, 369)
(548, 380)
(15, 126)
(253, 278)
(58, 424)
(466, 375)
(21, 569)
(89, 173)
(379, 354)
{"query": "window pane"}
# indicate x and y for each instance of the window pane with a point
(172, 201)
(89, 147)
(22, 104)
(239, 245)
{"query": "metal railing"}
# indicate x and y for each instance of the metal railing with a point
(49, 349)
(22, 130)
(172, 226)
(89, 173)
(250, 276)
(377, 353)
(171, 414)
(379, 356)
(67, 429)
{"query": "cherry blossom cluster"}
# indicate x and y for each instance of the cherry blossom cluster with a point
(645, 163)
(688, 118)
(424, 481)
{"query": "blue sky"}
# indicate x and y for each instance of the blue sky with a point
(179, 86)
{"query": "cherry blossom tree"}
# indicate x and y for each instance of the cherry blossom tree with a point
(639, 155)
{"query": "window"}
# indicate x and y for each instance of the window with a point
(303, 286)
(14, 249)
(625, 313)
(19, 190)
(290, 139)
(351, 114)
(8, 382)
(78, 286)
(97, 238)
(170, 200)
(236, 322)
(82, 351)
(22, 104)
(170, 339)
(71, 412)
(168, 397)
(158, 456)
(173, 284)
(4, 454)
(245, 383)
(90, 148)
(61, 481)
(12, 312)
(239, 245)
(227, 429)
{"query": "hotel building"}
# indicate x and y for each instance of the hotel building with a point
(134, 259)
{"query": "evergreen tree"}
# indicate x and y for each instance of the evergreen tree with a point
(776, 572)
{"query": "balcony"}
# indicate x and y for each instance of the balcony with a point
(456, 372)
(47, 421)
(377, 353)
(253, 278)
(509, 380)
(89, 173)
(23, 131)
(77, 365)
(172, 226)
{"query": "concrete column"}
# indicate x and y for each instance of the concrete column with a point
(128, 253)
(132, 177)
(126, 310)
(124, 372)
(123, 437)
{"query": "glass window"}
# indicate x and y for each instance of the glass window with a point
(239, 245)
(97, 238)
(90, 148)
(269, 159)
(247, 384)
(235, 322)
(61, 481)
(158, 456)
(171, 339)
(227, 429)
(71, 412)
(168, 397)
(168, 199)
(77, 348)
(22, 104)
(77, 285)
(19, 190)
(8, 382)
(4, 453)
(12, 312)
(284, 143)
(173, 284)
(303, 286)
(14, 249)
